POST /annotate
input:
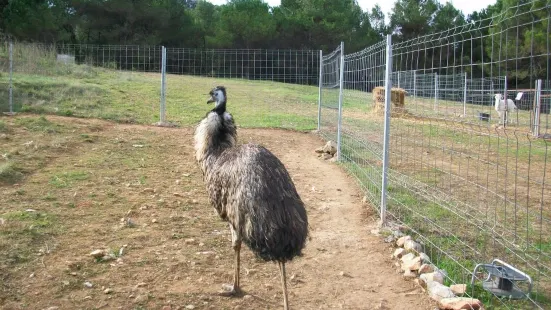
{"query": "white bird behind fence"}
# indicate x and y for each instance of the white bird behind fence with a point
(501, 107)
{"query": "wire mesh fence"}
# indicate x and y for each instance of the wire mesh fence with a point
(330, 94)
(469, 176)
(469, 146)
(363, 124)
(77, 80)
(242, 71)
(287, 66)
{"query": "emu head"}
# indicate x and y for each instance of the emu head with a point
(217, 95)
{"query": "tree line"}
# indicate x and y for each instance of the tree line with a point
(296, 24)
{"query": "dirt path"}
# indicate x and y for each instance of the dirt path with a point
(177, 251)
(344, 266)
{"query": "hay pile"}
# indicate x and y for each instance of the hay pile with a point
(397, 97)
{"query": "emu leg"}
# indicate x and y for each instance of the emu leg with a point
(284, 285)
(232, 290)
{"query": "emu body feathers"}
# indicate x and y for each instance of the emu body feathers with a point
(250, 188)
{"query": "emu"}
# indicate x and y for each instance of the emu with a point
(250, 188)
(501, 108)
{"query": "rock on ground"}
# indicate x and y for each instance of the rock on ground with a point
(408, 257)
(330, 148)
(459, 289)
(399, 252)
(412, 265)
(421, 284)
(408, 274)
(426, 268)
(411, 245)
(439, 291)
(458, 303)
(98, 254)
(436, 276)
(400, 242)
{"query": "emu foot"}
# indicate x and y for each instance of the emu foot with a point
(229, 290)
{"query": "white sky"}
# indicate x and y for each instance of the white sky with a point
(467, 6)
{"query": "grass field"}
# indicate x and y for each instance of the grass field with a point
(445, 175)
(125, 97)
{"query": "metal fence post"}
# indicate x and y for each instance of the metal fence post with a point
(320, 87)
(536, 130)
(163, 86)
(465, 97)
(386, 136)
(414, 85)
(341, 91)
(398, 78)
(435, 90)
(505, 102)
(10, 91)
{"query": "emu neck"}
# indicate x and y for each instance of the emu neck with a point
(215, 133)
(220, 107)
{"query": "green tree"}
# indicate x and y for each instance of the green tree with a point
(179, 28)
(204, 18)
(377, 20)
(518, 41)
(164, 22)
(447, 27)
(363, 35)
(292, 26)
(37, 20)
(323, 24)
(447, 17)
(476, 30)
(412, 18)
(244, 24)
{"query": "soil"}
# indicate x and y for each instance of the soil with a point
(144, 193)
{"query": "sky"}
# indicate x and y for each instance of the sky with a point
(466, 6)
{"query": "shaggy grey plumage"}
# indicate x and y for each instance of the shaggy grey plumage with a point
(250, 188)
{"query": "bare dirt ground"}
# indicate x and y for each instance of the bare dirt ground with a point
(91, 184)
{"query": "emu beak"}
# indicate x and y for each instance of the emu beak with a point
(210, 100)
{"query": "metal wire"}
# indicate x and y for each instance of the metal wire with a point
(471, 184)
(287, 66)
(55, 78)
(330, 91)
(71, 63)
